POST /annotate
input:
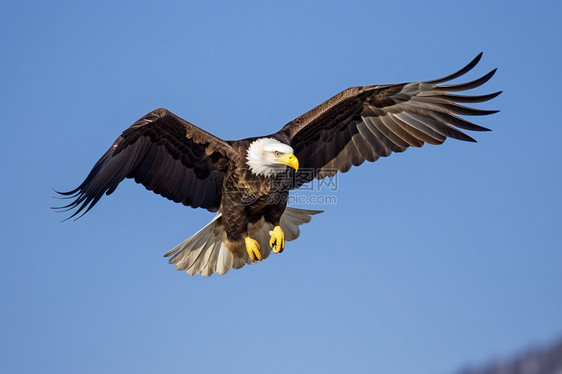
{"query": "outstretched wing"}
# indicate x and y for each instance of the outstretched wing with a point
(365, 123)
(166, 154)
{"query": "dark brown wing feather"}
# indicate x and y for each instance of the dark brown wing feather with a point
(365, 123)
(166, 154)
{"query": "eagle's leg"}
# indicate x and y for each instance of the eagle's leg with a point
(253, 249)
(273, 216)
(277, 241)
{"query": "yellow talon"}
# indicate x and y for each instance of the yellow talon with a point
(277, 241)
(253, 249)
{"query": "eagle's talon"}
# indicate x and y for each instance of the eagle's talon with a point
(253, 249)
(277, 241)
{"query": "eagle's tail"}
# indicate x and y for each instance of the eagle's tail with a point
(206, 252)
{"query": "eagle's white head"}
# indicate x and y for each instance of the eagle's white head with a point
(267, 157)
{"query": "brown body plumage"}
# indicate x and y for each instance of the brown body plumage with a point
(188, 165)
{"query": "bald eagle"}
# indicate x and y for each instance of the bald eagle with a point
(248, 181)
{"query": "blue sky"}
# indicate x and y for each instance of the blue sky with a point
(466, 237)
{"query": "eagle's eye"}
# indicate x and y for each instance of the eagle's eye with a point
(277, 153)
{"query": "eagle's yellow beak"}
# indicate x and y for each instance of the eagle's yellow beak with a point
(290, 160)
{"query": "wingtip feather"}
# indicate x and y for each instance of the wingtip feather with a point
(460, 72)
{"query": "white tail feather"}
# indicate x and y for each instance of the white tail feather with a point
(206, 252)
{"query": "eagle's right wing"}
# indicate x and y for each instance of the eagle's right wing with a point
(167, 155)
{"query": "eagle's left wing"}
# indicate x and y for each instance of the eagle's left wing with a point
(365, 123)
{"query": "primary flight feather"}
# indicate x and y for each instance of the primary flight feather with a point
(248, 181)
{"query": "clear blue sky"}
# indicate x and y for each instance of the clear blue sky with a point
(465, 236)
